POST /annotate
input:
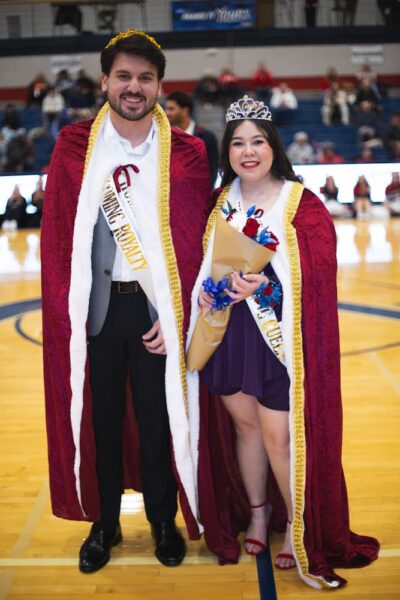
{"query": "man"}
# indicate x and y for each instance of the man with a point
(179, 108)
(124, 213)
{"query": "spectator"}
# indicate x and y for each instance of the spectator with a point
(310, 12)
(3, 150)
(52, 107)
(15, 213)
(85, 83)
(331, 77)
(19, 154)
(366, 93)
(391, 137)
(368, 76)
(37, 202)
(64, 84)
(362, 198)
(330, 193)
(179, 109)
(366, 156)
(37, 90)
(262, 82)
(207, 90)
(11, 121)
(334, 106)
(367, 124)
(283, 104)
(392, 196)
(229, 86)
(300, 151)
(327, 154)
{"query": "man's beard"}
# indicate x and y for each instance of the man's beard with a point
(127, 114)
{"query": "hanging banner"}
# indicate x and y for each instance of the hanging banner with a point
(366, 54)
(217, 14)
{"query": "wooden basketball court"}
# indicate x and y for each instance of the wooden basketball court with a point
(38, 552)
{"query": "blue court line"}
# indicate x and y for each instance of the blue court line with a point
(370, 310)
(16, 308)
(25, 335)
(266, 580)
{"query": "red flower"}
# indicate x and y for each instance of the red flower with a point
(267, 291)
(274, 244)
(251, 228)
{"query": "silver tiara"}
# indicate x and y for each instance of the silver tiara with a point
(247, 108)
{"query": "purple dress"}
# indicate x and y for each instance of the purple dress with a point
(244, 362)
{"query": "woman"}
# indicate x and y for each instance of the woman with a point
(331, 192)
(287, 408)
(362, 198)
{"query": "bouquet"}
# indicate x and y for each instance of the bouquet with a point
(246, 250)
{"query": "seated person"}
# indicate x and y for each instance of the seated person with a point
(15, 213)
(283, 104)
(391, 137)
(367, 124)
(300, 151)
(334, 106)
(362, 198)
(331, 192)
(392, 196)
(327, 154)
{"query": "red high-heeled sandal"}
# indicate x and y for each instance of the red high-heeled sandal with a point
(253, 541)
(286, 556)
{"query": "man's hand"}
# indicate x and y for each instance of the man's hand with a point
(153, 340)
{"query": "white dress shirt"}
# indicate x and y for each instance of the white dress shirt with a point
(121, 269)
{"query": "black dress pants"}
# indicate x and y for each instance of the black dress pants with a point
(116, 350)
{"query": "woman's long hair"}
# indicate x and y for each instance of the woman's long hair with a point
(281, 166)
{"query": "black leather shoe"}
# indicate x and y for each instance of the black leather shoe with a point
(96, 549)
(170, 545)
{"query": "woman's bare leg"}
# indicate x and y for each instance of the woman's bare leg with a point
(275, 430)
(253, 461)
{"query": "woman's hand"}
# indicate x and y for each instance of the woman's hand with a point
(245, 286)
(204, 301)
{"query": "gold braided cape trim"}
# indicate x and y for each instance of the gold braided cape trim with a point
(94, 132)
(212, 219)
(298, 426)
(164, 154)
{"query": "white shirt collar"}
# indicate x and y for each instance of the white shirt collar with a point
(191, 127)
(110, 132)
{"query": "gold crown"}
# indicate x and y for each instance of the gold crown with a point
(125, 34)
(247, 108)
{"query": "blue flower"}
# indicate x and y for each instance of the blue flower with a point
(220, 299)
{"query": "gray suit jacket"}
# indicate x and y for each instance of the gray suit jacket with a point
(103, 256)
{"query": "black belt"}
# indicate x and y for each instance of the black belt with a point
(126, 287)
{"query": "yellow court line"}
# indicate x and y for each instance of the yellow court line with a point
(5, 582)
(30, 525)
(390, 378)
(138, 561)
(116, 562)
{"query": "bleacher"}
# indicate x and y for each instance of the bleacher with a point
(308, 118)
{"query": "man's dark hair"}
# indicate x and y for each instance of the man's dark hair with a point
(281, 167)
(182, 99)
(136, 45)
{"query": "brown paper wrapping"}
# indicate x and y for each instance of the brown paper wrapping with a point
(233, 251)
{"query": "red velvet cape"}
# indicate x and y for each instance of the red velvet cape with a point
(189, 209)
(328, 541)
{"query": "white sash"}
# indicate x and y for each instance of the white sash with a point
(265, 318)
(118, 210)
